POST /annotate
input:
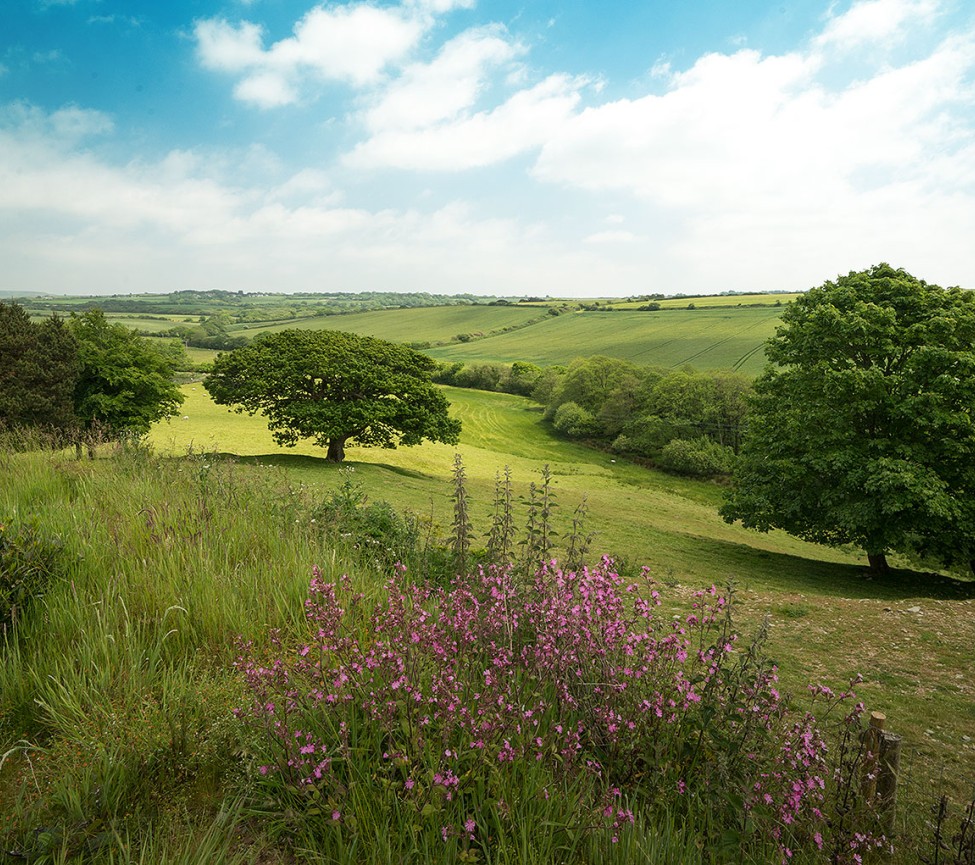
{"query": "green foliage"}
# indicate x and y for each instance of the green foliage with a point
(124, 385)
(29, 560)
(372, 529)
(863, 430)
(712, 404)
(334, 387)
(38, 371)
(517, 378)
(696, 458)
(640, 410)
(589, 381)
(573, 420)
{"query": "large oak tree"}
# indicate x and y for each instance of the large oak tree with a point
(862, 430)
(335, 388)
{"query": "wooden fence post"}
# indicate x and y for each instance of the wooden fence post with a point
(888, 772)
(871, 751)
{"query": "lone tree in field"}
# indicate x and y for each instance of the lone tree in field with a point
(334, 388)
(863, 431)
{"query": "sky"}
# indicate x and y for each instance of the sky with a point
(571, 149)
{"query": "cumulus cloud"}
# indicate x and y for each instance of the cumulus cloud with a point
(64, 128)
(353, 44)
(743, 170)
(427, 93)
(525, 121)
(785, 149)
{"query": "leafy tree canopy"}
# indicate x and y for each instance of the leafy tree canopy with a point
(38, 371)
(124, 384)
(862, 432)
(333, 388)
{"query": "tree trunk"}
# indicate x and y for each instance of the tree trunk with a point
(336, 450)
(878, 562)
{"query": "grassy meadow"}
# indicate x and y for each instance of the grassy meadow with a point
(829, 619)
(710, 301)
(720, 332)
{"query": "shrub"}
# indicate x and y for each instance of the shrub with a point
(375, 529)
(699, 458)
(573, 420)
(28, 562)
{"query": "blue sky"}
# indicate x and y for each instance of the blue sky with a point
(490, 146)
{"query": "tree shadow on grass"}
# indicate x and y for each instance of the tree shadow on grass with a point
(305, 462)
(787, 572)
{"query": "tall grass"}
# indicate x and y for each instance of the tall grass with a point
(118, 739)
(115, 685)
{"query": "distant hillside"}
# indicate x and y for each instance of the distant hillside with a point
(719, 332)
(430, 324)
(722, 338)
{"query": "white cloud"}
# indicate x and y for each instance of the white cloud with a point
(64, 128)
(266, 90)
(870, 22)
(354, 44)
(425, 94)
(525, 121)
(619, 236)
(439, 7)
(222, 46)
(751, 133)
(743, 170)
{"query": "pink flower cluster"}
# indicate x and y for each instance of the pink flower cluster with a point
(573, 672)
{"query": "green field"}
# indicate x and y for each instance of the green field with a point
(126, 741)
(666, 522)
(723, 332)
(821, 600)
(422, 324)
(702, 338)
(709, 301)
(727, 300)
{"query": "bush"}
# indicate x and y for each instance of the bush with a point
(573, 420)
(696, 458)
(373, 528)
(28, 563)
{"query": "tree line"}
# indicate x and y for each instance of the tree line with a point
(686, 421)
